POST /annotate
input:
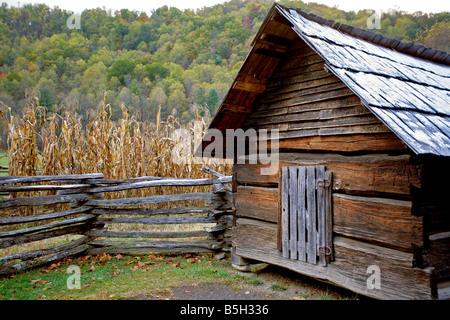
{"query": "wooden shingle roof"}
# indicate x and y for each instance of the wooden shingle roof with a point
(410, 95)
(406, 86)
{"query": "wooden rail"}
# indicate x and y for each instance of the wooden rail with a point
(91, 215)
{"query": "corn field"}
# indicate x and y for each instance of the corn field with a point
(119, 149)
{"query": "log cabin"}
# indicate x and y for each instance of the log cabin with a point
(360, 196)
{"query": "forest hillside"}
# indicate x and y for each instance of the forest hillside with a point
(180, 61)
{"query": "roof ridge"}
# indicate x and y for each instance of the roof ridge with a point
(412, 49)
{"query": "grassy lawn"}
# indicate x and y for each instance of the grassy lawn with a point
(105, 277)
(3, 161)
(144, 276)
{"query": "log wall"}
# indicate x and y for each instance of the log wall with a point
(380, 216)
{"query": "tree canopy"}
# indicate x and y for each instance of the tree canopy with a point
(183, 60)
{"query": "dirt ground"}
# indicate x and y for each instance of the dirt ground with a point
(293, 287)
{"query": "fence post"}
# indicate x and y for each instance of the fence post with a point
(94, 224)
(221, 213)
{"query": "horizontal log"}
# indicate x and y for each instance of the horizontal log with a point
(128, 180)
(146, 234)
(32, 179)
(346, 143)
(41, 187)
(49, 226)
(42, 200)
(209, 244)
(43, 252)
(143, 249)
(16, 220)
(164, 182)
(374, 174)
(399, 279)
(385, 221)
(153, 212)
(24, 265)
(208, 196)
(256, 202)
(60, 231)
(161, 220)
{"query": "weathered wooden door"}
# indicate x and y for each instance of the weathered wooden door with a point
(305, 214)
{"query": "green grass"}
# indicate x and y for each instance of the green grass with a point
(117, 278)
(278, 287)
(3, 162)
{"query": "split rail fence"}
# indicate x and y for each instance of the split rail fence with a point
(88, 214)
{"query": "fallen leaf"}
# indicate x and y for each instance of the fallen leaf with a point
(92, 268)
(45, 270)
(130, 262)
(47, 288)
(104, 256)
(298, 298)
(41, 295)
(86, 285)
(12, 276)
(35, 281)
(53, 266)
(115, 266)
(38, 281)
(140, 264)
(151, 256)
(191, 260)
(118, 256)
(134, 268)
(13, 291)
(187, 291)
(82, 258)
